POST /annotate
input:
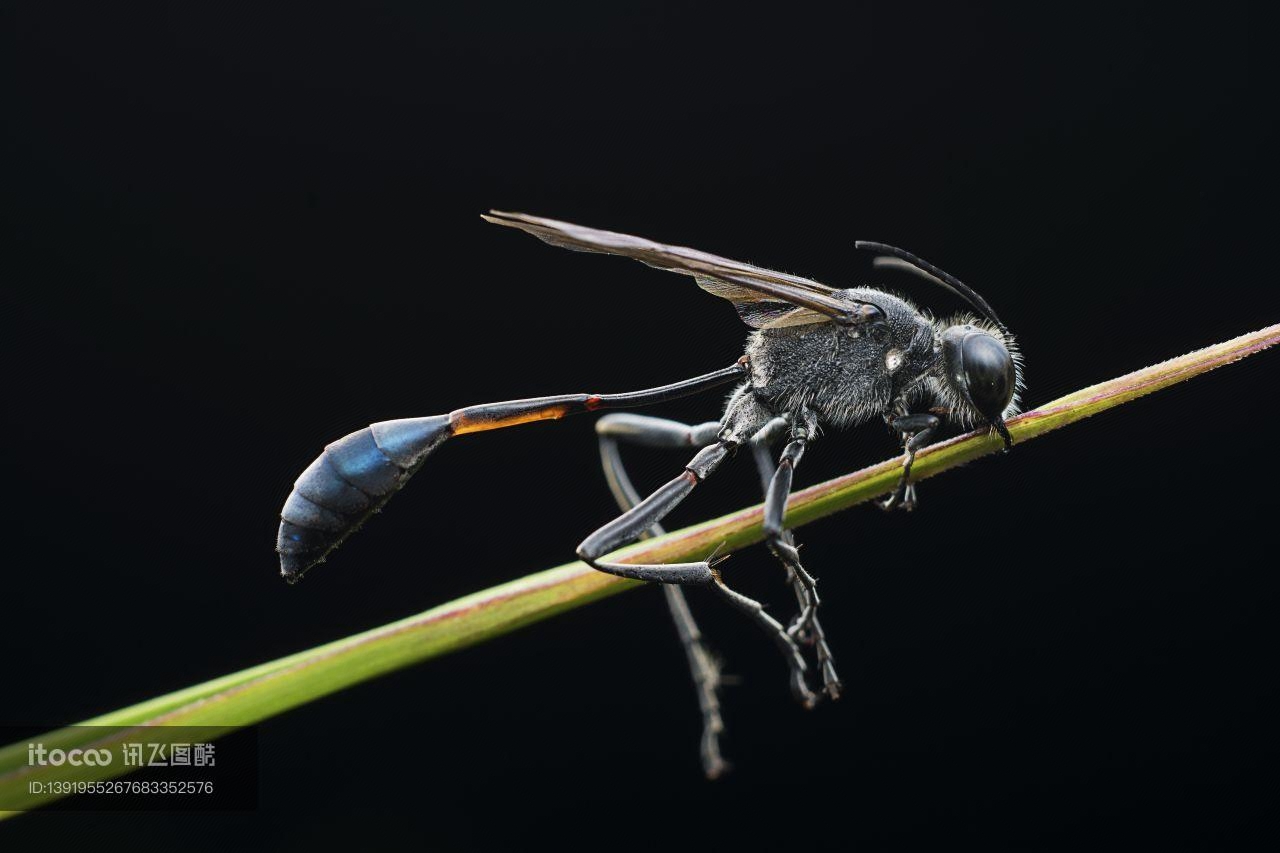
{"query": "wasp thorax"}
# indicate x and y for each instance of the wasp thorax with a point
(980, 369)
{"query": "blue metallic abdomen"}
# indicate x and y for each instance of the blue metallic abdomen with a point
(352, 478)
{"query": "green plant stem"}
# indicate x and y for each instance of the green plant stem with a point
(263, 691)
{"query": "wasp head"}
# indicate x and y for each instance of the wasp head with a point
(981, 375)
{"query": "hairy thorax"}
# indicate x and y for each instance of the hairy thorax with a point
(844, 374)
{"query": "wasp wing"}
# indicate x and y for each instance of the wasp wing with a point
(764, 298)
(767, 314)
(757, 310)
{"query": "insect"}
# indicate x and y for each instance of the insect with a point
(818, 358)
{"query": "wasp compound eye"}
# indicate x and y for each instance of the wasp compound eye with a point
(981, 368)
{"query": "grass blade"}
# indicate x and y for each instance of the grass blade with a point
(263, 691)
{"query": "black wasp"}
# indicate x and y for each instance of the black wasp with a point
(819, 358)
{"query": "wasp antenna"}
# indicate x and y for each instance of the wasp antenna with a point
(938, 276)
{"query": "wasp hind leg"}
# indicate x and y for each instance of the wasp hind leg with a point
(777, 483)
(703, 665)
(642, 517)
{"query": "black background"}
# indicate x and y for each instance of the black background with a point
(235, 235)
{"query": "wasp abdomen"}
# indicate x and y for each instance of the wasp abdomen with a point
(352, 478)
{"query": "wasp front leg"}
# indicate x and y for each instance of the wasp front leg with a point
(916, 430)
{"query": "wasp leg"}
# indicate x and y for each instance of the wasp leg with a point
(703, 666)
(761, 444)
(627, 527)
(916, 431)
(634, 522)
(647, 431)
(782, 543)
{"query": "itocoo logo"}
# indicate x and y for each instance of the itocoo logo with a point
(38, 755)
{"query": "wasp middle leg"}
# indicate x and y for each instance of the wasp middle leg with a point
(782, 543)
